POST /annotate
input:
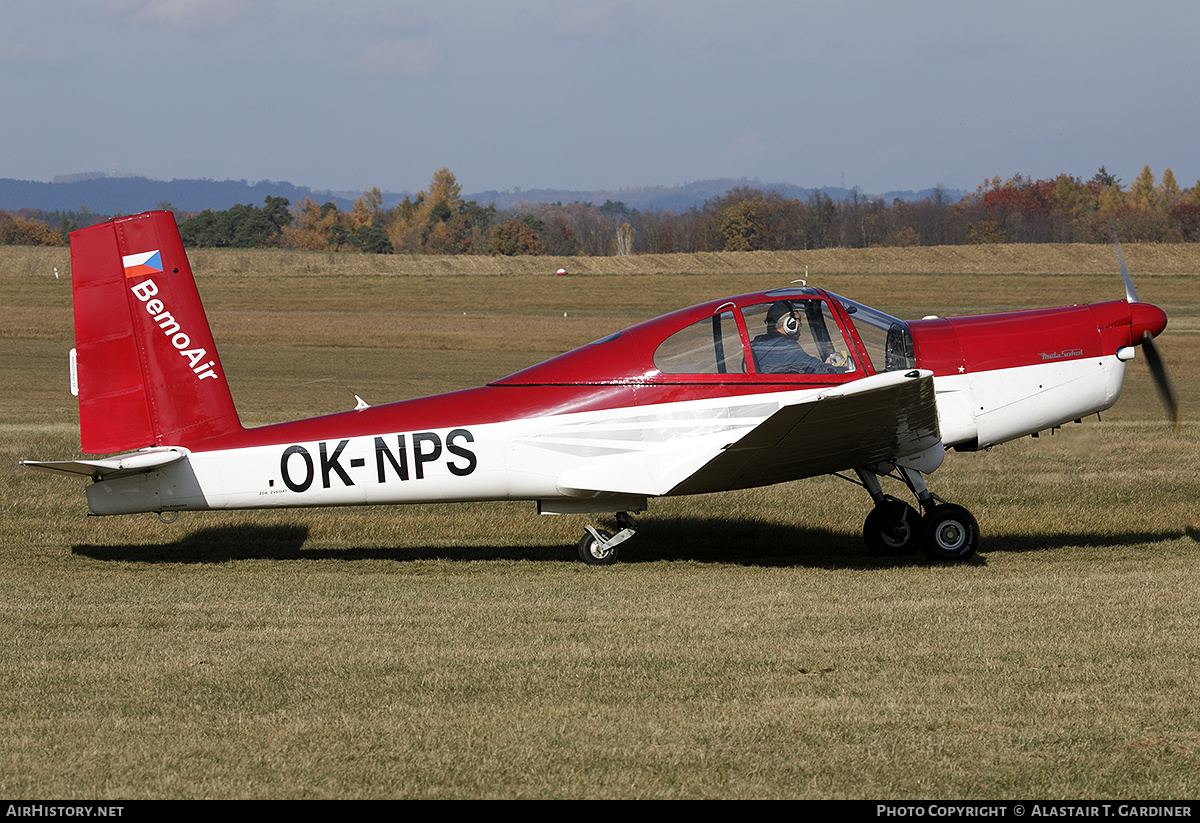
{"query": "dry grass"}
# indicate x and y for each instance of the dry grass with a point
(746, 648)
(1147, 259)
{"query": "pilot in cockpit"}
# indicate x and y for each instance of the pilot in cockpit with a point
(778, 350)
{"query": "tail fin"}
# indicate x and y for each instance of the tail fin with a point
(148, 369)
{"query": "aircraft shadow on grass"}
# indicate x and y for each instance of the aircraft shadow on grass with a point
(211, 545)
(742, 542)
(1045, 542)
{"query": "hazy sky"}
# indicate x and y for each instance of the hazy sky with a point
(585, 95)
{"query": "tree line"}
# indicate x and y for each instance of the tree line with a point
(439, 221)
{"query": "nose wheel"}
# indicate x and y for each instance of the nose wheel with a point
(599, 548)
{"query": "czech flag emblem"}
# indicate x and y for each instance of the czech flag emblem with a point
(147, 262)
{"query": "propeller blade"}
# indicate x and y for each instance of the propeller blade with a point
(1130, 291)
(1154, 360)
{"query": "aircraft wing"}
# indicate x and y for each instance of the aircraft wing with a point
(875, 420)
(854, 425)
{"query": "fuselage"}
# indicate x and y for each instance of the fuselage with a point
(622, 419)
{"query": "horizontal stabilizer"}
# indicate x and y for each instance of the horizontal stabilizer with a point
(110, 467)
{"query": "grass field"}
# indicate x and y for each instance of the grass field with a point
(746, 646)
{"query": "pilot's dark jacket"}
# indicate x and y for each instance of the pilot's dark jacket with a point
(778, 354)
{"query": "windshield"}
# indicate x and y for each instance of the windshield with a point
(887, 340)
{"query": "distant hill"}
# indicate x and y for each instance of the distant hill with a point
(104, 194)
(107, 195)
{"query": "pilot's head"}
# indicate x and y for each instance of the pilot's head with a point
(784, 318)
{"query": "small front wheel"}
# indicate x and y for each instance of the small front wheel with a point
(596, 552)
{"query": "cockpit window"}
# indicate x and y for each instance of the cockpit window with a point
(888, 340)
(796, 336)
(708, 346)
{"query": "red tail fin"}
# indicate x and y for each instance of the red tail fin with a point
(148, 368)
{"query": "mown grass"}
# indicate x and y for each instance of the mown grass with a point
(746, 647)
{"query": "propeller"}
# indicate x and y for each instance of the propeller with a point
(1153, 358)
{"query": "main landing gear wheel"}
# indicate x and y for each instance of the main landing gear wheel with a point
(946, 533)
(949, 533)
(893, 528)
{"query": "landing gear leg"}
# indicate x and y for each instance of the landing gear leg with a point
(599, 548)
(948, 532)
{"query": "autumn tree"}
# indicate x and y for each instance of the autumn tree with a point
(732, 219)
(438, 221)
(313, 227)
(747, 219)
(364, 226)
(444, 231)
(1168, 191)
(738, 226)
(513, 237)
(18, 231)
(1184, 218)
(1142, 192)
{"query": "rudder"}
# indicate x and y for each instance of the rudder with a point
(148, 369)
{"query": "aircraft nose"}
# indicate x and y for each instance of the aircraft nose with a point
(1146, 318)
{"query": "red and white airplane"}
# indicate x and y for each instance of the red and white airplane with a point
(736, 393)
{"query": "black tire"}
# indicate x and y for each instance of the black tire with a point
(893, 528)
(591, 553)
(950, 533)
